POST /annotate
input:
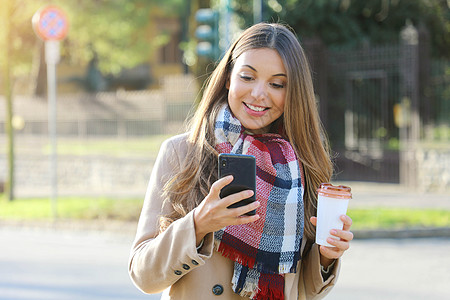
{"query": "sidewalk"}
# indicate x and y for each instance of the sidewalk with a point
(373, 194)
(365, 195)
(387, 195)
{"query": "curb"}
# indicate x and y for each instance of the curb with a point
(129, 228)
(101, 226)
(402, 233)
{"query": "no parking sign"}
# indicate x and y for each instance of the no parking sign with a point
(50, 23)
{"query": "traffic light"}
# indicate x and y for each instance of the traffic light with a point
(208, 33)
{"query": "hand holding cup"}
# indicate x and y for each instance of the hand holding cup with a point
(332, 223)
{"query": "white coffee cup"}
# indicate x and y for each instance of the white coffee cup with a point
(332, 203)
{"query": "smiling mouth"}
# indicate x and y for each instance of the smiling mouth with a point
(256, 108)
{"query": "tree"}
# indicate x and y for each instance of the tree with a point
(15, 61)
(9, 186)
(347, 23)
(115, 31)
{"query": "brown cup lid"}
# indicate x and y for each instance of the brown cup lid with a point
(335, 191)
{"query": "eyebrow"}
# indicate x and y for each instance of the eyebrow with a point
(279, 74)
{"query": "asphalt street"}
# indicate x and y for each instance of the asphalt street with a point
(395, 269)
(47, 264)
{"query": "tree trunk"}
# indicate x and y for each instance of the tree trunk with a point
(9, 186)
(40, 88)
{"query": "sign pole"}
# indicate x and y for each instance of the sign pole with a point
(50, 24)
(52, 58)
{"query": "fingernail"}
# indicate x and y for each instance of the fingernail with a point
(333, 231)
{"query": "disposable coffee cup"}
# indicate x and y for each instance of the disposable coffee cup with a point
(332, 203)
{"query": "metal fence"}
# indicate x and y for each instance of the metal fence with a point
(118, 118)
(378, 104)
(366, 86)
(115, 114)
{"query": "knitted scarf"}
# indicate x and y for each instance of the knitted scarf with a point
(263, 250)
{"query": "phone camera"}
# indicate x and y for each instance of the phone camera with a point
(224, 162)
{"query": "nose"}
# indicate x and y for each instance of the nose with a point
(259, 91)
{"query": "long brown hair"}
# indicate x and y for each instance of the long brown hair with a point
(300, 120)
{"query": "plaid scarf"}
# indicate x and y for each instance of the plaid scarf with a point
(264, 250)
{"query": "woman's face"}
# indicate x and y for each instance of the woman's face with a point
(257, 89)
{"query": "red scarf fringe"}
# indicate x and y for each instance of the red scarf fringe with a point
(239, 257)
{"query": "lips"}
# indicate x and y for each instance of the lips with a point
(255, 111)
(255, 108)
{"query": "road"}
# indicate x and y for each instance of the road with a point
(404, 269)
(67, 265)
(48, 264)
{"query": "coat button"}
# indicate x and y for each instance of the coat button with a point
(186, 267)
(194, 262)
(177, 272)
(217, 289)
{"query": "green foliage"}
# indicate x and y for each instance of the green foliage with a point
(21, 40)
(115, 30)
(353, 22)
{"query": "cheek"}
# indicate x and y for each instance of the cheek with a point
(232, 99)
(280, 102)
(234, 91)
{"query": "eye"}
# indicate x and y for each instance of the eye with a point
(245, 77)
(277, 85)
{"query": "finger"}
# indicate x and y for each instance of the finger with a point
(347, 222)
(342, 234)
(221, 183)
(313, 220)
(239, 211)
(330, 252)
(236, 197)
(246, 219)
(339, 244)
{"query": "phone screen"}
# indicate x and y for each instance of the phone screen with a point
(243, 169)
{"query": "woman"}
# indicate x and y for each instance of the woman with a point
(259, 101)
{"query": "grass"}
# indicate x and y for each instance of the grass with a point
(71, 208)
(117, 147)
(90, 208)
(147, 146)
(397, 218)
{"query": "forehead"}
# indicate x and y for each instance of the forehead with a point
(263, 60)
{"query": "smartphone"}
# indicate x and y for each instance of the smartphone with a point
(243, 169)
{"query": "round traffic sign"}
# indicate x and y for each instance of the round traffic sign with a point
(50, 23)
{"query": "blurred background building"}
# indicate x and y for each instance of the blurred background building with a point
(131, 72)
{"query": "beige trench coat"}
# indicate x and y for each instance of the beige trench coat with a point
(170, 262)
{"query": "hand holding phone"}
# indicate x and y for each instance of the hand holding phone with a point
(243, 169)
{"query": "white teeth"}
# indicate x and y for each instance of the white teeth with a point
(255, 108)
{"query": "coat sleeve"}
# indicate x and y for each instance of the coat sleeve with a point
(158, 260)
(311, 281)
